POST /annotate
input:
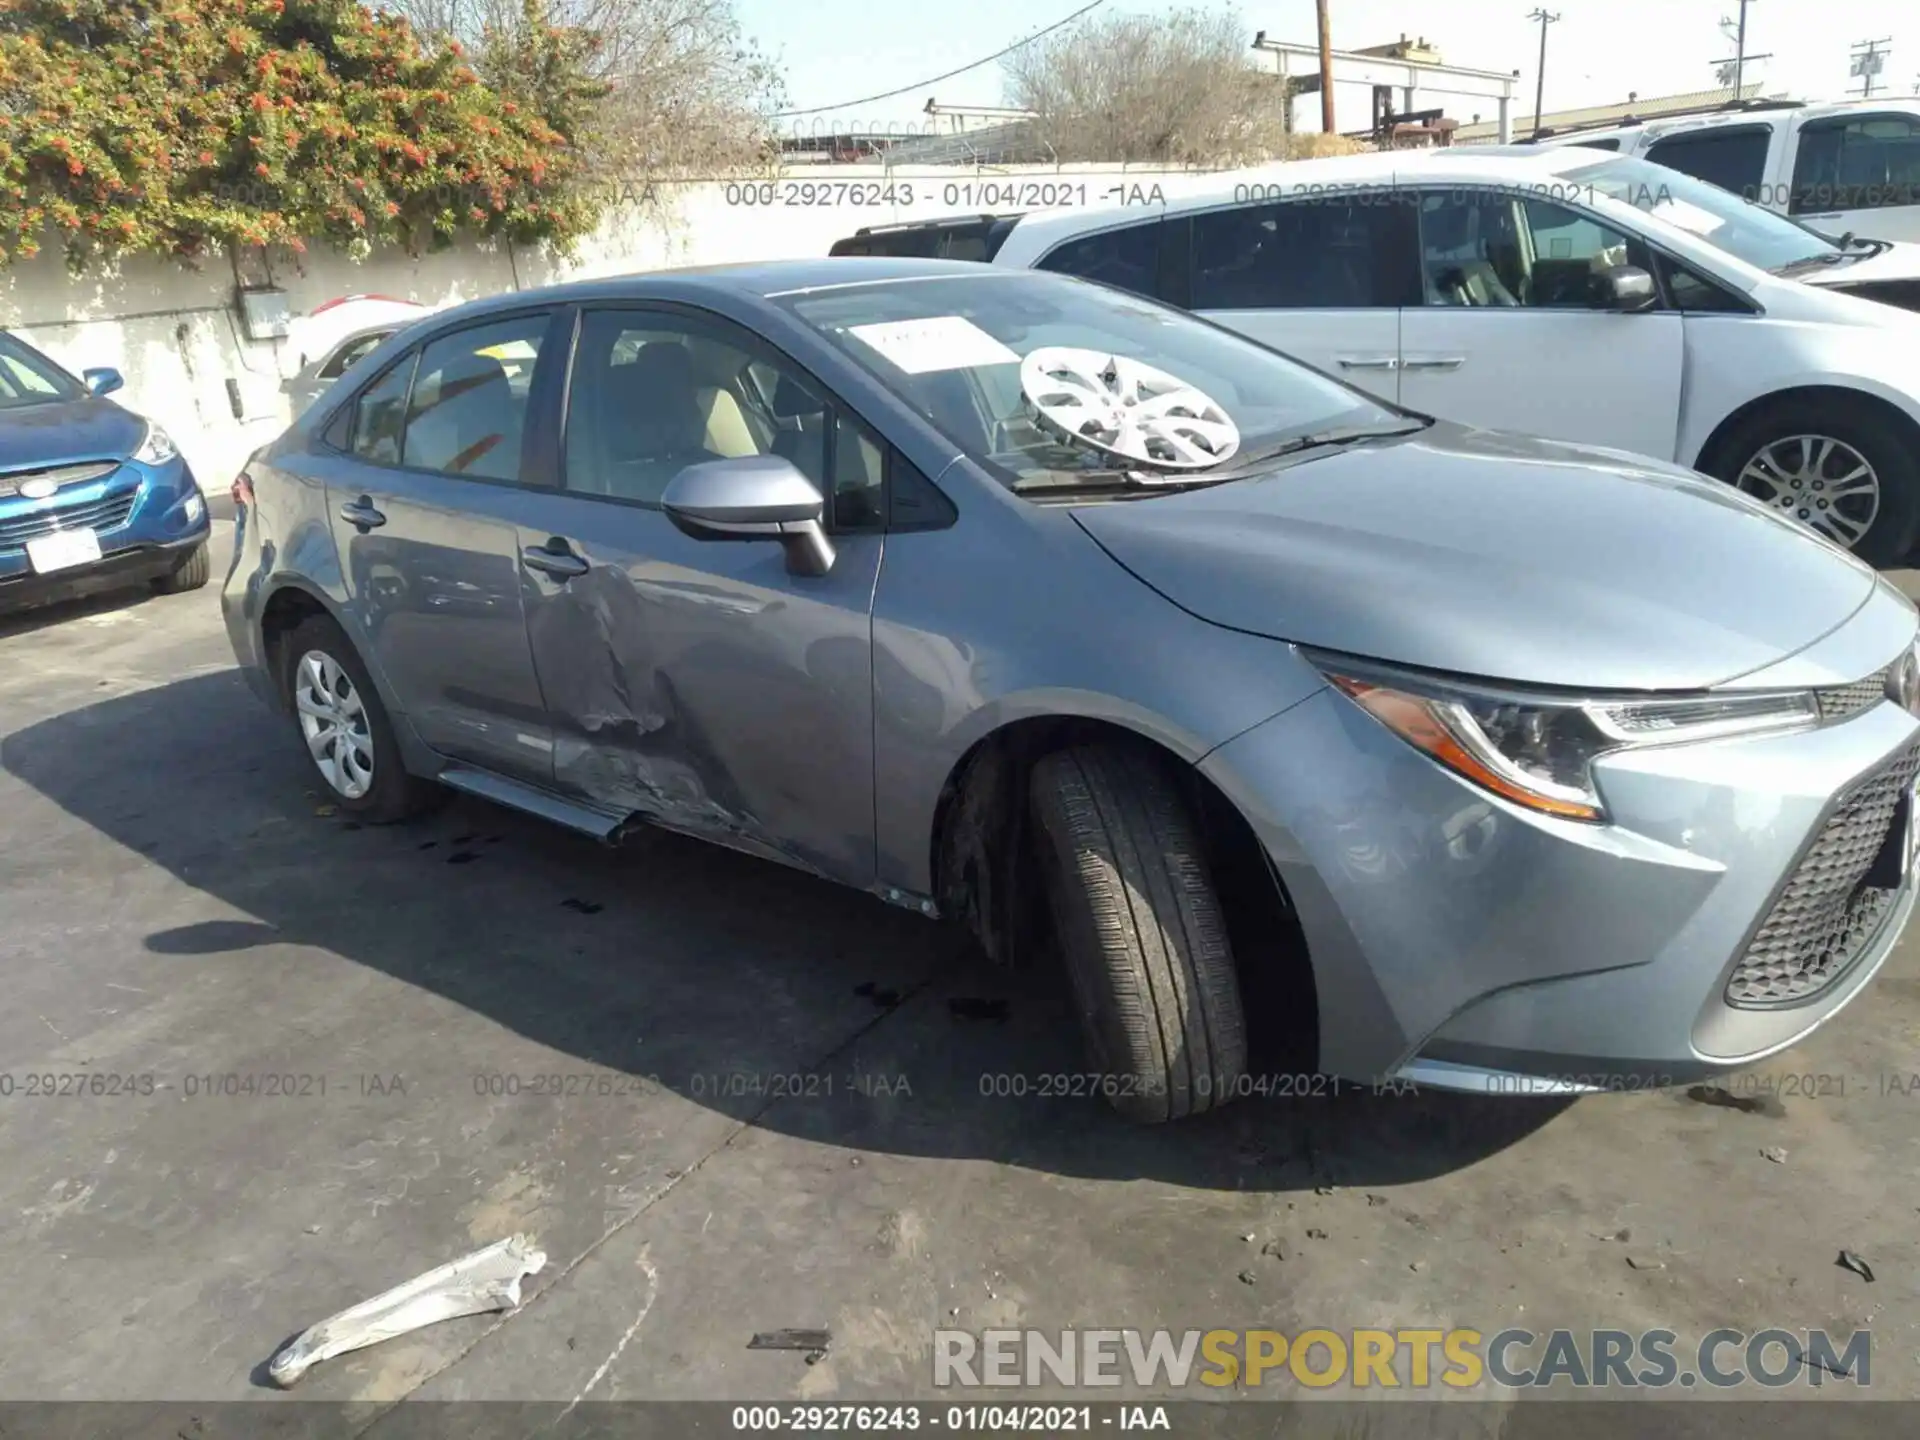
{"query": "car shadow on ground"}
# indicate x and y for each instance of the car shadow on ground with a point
(16, 624)
(729, 966)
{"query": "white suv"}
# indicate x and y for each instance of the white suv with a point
(1850, 167)
(1566, 293)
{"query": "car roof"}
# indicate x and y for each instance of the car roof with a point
(756, 278)
(1489, 164)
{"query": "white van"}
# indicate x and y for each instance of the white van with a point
(1848, 167)
(1566, 293)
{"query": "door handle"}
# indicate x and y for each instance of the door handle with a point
(1369, 362)
(1435, 362)
(362, 515)
(562, 564)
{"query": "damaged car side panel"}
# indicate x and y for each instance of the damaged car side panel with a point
(703, 687)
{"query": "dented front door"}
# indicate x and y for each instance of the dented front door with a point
(700, 685)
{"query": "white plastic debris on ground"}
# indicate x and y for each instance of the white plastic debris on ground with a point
(475, 1284)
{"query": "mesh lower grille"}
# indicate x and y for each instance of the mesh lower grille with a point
(1828, 915)
(1838, 702)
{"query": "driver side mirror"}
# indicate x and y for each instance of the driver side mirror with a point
(757, 497)
(102, 380)
(1629, 288)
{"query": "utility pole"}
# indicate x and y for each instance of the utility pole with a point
(1326, 67)
(1734, 72)
(1540, 81)
(1869, 59)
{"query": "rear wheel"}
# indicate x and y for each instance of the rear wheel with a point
(1142, 930)
(190, 574)
(345, 728)
(1838, 468)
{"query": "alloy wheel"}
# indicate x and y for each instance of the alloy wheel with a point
(1823, 483)
(334, 721)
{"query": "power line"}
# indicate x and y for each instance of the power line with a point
(935, 80)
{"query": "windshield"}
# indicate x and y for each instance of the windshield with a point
(1719, 217)
(28, 378)
(961, 368)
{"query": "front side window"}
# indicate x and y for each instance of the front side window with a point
(952, 349)
(653, 393)
(28, 378)
(1733, 159)
(1485, 249)
(1127, 258)
(1862, 162)
(468, 411)
(1305, 254)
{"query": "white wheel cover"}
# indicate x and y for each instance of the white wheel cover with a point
(1125, 409)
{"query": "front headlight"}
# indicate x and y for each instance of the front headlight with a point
(1539, 750)
(157, 448)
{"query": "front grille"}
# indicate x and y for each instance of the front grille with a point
(1839, 702)
(60, 475)
(107, 513)
(1829, 913)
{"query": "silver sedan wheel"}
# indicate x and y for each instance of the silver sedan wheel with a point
(1823, 483)
(334, 721)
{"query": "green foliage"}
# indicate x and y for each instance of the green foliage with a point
(180, 126)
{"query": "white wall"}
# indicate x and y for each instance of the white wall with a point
(176, 336)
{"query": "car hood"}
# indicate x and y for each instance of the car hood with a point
(1491, 555)
(86, 429)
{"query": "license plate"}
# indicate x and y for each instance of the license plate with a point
(62, 550)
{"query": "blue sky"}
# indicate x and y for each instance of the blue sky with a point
(835, 51)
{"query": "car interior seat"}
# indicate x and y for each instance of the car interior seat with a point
(652, 422)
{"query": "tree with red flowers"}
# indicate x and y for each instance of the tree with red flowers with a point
(184, 126)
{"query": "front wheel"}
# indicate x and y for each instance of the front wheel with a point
(345, 728)
(190, 574)
(1839, 468)
(1142, 929)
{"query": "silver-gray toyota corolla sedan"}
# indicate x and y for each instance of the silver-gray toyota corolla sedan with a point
(1108, 634)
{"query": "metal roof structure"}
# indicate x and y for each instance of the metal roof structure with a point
(1634, 107)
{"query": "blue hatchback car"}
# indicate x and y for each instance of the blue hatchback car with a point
(92, 497)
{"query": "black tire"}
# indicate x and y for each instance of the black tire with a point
(1880, 441)
(190, 574)
(394, 794)
(1144, 937)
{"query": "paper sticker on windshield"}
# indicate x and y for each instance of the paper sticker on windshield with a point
(1688, 217)
(940, 342)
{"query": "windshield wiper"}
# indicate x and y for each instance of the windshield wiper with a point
(1847, 249)
(1106, 481)
(1320, 440)
(1100, 482)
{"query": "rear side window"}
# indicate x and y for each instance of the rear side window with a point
(1733, 159)
(468, 410)
(348, 353)
(1307, 254)
(380, 416)
(972, 241)
(1127, 258)
(1857, 162)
